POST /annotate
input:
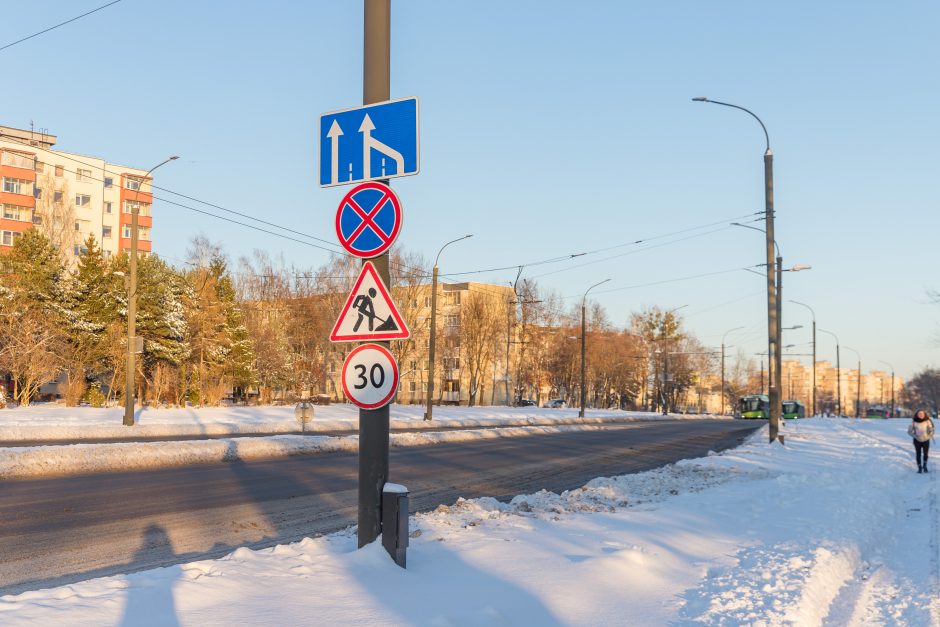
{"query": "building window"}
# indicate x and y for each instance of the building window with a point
(132, 183)
(126, 231)
(82, 175)
(143, 234)
(37, 192)
(107, 254)
(106, 232)
(82, 200)
(16, 212)
(107, 206)
(8, 238)
(413, 364)
(143, 209)
(413, 386)
(59, 170)
(40, 166)
(37, 219)
(16, 186)
(18, 160)
(108, 181)
(78, 225)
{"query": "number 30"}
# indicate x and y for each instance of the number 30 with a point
(376, 376)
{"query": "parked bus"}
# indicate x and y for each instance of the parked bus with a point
(754, 406)
(794, 409)
(876, 411)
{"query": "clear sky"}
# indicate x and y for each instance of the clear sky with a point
(547, 128)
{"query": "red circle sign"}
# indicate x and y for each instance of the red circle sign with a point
(368, 219)
(370, 376)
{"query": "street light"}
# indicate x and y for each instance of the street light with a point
(583, 333)
(796, 302)
(132, 300)
(432, 345)
(775, 359)
(723, 366)
(773, 331)
(858, 383)
(882, 361)
(838, 373)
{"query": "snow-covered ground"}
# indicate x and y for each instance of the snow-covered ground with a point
(835, 528)
(47, 423)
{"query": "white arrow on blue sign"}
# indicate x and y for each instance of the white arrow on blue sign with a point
(378, 141)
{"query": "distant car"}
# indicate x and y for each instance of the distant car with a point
(556, 403)
(525, 402)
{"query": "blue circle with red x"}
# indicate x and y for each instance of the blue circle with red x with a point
(368, 219)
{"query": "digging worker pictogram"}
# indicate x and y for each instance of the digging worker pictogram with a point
(363, 304)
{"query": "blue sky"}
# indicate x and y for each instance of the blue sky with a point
(547, 128)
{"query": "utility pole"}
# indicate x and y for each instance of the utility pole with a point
(858, 383)
(838, 371)
(373, 423)
(583, 336)
(773, 322)
(795, 302)
(891, 415)
(130, 366)
(723, 391)
(432, 344)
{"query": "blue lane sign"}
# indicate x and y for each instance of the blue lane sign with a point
(378, 141)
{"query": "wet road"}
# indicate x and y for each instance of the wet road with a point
(62, 530)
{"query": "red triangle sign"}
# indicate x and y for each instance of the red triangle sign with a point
(369, 313)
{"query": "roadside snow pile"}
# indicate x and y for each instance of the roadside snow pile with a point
(834, 529)
(48, 461)
(56, 422)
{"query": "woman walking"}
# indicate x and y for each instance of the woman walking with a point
(921, 430)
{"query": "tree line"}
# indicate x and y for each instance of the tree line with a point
(210, 331)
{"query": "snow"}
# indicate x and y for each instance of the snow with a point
(56, 422)
(835, 528)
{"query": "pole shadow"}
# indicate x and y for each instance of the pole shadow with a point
(150, 593)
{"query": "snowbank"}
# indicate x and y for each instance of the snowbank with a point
(835, 528)
(48, 461)
(56, 422)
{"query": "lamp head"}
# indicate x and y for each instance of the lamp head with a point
(700, 99)
(801, 266)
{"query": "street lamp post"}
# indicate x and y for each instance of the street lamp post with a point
(838, 373)
(892, 384)
(858, 383)
(132, 302)
(773, 327)
(583, 333)
(795, 302)
(432, 344)
(723, 392)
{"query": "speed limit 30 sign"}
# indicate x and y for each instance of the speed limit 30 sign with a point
(370, 376)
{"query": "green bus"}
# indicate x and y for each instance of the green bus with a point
(754, 406)
(876, 411)
(794, 409)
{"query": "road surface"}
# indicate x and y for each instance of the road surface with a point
(58, 531)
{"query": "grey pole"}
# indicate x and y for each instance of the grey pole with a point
(892, 385)
(773, 325)
(796, 302)
(432, 345)
(723, 391)
(373, 423)
(858, 383)
(130, 366)
(583, 333)
(838, 372)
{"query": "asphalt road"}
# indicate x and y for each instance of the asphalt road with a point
(58, 531)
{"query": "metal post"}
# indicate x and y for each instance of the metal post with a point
(432, 345)
(583, 335)
(665, 382)
(583, 332)
(814, 364)
(130, 366)
(838, 380)
(722, 378)
(131, 322)
(891, 413)
(373, 423)
(858, 391)
(428, 414)
(773, 323)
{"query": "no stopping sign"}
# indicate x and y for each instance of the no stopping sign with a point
(370, 376)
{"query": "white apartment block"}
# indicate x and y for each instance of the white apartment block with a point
(69, 196)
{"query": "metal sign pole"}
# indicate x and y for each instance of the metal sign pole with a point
(374, 423)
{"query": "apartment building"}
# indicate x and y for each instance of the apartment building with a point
(69, 196)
